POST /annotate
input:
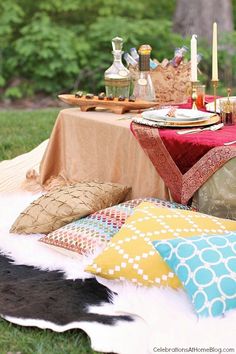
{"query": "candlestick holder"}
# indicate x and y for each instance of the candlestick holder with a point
(194, 94)
(215, 85)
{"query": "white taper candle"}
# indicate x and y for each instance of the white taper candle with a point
(194, 58)
(214, 54)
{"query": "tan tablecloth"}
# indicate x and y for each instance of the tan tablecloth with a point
(99, 145)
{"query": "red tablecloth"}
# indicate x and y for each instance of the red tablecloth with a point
(187, 150)
(185, 162)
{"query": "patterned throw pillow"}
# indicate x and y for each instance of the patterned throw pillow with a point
(65, 204)
(130, 254)
(86, 235)
(206, 266)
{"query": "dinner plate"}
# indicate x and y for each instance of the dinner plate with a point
(166, 124)
(180, 115)
(210, 106)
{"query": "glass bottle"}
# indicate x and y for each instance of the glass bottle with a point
(199, 58)
(179, 55)
(143, 88)
(134, 54)
(130, 60)
(117, 76)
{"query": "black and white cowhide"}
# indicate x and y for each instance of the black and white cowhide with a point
(33, 297)
(27, 292)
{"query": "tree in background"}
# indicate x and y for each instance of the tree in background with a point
(193, 16)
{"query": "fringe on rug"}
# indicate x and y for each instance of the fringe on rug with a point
(32, 182)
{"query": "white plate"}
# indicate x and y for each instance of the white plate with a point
(158, 124)
(181, 115)
(210, 106)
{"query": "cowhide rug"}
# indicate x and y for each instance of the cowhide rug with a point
(29, 296)
(43, 288)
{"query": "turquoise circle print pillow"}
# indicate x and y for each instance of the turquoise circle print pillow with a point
(206, 266)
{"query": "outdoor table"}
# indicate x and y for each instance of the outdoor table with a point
(100, 146)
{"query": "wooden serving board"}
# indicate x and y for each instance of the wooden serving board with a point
(115, 106)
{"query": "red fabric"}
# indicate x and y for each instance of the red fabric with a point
(187, 149)
(185, 162)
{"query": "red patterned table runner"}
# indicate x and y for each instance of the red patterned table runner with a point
(187, 150)
(185, 162)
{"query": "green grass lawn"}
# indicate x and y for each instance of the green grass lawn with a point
(21, 131)
(28, 340)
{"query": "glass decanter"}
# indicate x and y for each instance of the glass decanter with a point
(143, 88)
(117, 76)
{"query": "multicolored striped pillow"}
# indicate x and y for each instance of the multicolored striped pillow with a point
(91, 233)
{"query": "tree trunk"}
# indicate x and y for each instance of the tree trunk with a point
(197, 16)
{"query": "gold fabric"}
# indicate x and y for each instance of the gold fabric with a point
(65, 204)
(99, 145)
(218, 195)
(12, 172)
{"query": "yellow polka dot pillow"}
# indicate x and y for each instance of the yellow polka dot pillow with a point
(130, 255)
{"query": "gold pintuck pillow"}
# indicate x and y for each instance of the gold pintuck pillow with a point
(130, 255)
(67, 203)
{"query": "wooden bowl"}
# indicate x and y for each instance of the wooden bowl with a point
(115, 106)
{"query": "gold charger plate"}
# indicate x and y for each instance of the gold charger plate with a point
(212, 120)
(115, 106)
